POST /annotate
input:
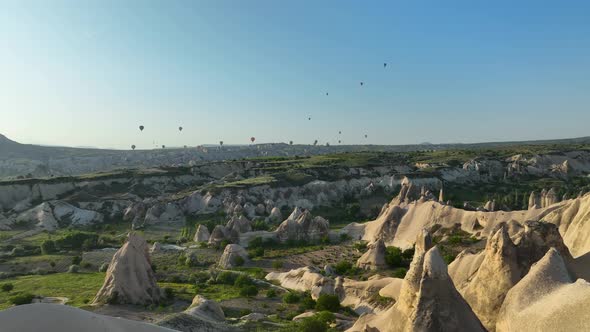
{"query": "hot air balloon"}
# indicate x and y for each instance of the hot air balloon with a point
(252, 139)
(315, 142)
(339, 141)
(326, 93)
(340, 133)
(179, 128)
(384, 64)
(290, 142)
(163, 146)
(309, 118)
(365, 135)
(133, 147)
(362, 83)
(141, 128)
(221, 143)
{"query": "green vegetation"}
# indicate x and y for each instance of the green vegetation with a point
(346, 268)
(396, 258)
(248, 291)
(7, 287)
(78, 288)
(328, 302)
(48, 247)
(291, 297)
(400, 273)
(317, 323)
(20, 299)
(271, 293)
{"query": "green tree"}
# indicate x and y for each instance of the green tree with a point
(48, 247)
(328, 302)
(393, 257)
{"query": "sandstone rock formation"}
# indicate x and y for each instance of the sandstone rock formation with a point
(239, 224)
(130, 278)
(202, 315)
(135, 213)
(361, 296)
(500, 265)
(428, 300)
(374, 257)
(275, 215)
(164, 213)
(229, 258)
(546, 299)
(41, 215)
(207, 309)
(304, 279)
(301, 225)
(505, 262)
(399, 223)
(202, 234)
(219, 234)
(534, 201)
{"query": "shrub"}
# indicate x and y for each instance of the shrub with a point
(200, 277)
(325, 316)
(312, 324)
(239, 261)
(393, 257)
(104, 267)
(455, 239)
(277, 264)
(243, 280)
(52, 264)
(191, 260)
(260, 225)
(168, 293)
(17, 251)
(271, 293)
(307, 302)
(256, 242)
(89, 243)
(400, 273)
(291, 297)
(408, 254)
(257, 252)
(328, 302)
(353, 210)
(21, 299)
(7, 287)
(449, 258)
(77, 240)
(344, 237)
(47, 247)
(244, 312)
(223, 244)
(343, 267)
(249, 291)
(226, 278)
(360, 246)
(76, 260)
(74, 268)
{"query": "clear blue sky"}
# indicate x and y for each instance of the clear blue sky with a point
(88, 73)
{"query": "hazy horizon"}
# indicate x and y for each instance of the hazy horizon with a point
(88, 74)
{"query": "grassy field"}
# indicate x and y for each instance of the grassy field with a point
(79, 288)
